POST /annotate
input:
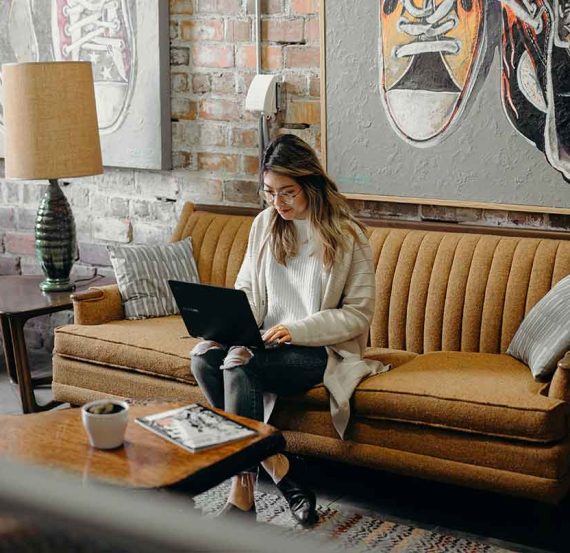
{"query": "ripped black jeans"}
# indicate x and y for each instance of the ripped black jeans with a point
(234, 379)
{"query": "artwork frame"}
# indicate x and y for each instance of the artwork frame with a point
(327, 136)
(127, 42)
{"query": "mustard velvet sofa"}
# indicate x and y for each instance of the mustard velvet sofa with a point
(454, 408)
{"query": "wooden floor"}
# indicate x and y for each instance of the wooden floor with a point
(514, 524)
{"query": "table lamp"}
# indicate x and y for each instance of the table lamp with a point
(51, 133)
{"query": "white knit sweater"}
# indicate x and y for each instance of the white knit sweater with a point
(294, 290)
(341, 324)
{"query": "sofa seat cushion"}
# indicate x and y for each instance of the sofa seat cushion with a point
(481, 393)
(318, 397)
(159, 346)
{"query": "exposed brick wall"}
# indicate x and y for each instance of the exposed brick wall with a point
(215, 148)
(215, 143)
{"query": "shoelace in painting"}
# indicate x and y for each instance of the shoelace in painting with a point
(96, 18)
(428, 28)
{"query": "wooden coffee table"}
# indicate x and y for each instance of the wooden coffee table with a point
(57, 439)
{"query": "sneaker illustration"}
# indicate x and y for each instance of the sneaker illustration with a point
(525, 52)
(430, 54)
(99, 31)
(557, 131)
(18, 39)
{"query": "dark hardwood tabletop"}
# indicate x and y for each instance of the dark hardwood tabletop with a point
(22, 294)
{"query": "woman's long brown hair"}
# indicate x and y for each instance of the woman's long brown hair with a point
(328, 211)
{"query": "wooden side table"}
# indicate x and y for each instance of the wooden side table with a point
(20, 300)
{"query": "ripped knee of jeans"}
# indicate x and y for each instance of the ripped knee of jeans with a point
(204, 347)
(237, 356)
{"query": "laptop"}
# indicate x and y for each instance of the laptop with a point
(216, 313)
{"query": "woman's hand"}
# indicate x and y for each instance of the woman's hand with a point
(277, 334)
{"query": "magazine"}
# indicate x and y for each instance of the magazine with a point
(195, 427)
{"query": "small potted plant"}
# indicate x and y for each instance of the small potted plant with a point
(105, 421)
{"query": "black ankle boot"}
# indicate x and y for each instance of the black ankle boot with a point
(301, 499)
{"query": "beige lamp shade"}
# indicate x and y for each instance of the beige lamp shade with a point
(51, 120)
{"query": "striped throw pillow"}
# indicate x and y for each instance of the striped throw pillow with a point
(544, 335)
(143, 272)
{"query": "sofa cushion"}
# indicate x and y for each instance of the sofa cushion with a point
(483, 393)
(159, 346)
(544, 335)
(143, 272)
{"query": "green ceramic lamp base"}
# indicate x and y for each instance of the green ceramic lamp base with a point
(56, 248)
(56, 285)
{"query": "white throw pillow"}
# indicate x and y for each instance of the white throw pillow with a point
(544, 335)
(143, 272)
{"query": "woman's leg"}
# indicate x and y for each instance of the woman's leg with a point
(225, 385)
(293, 370)
(243, 393)
(206, 361)
(288, 371)
(242, 396)
(285, 371)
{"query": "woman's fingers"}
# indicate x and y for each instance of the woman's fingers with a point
(278, 333)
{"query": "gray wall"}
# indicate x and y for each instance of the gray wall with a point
(484, 159)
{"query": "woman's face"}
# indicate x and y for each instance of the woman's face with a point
(286, 195)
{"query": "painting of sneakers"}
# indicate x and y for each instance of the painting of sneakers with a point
(535, 75)
(127, 42)
(525, 45)
(18, 38)
(430, 54)
(557, 132)
(100, 32)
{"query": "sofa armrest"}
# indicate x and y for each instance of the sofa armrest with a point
(98, 305)
(560, 385)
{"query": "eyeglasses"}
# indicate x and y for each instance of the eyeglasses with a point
(288, 198)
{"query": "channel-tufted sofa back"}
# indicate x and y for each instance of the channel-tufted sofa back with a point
(218, 241)
(439, 291)
(434, 290)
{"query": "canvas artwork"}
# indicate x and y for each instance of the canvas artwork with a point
(459, 100)
(431, 53)
(127, 43)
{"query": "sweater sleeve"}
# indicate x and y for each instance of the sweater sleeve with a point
(244, 279)
(353, 316)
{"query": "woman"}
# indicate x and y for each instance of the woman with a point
(308, 275)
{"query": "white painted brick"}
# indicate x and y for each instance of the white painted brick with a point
(26, 219)
(118, 181)
(119, 207)
(84, 224)
(78, 195)
(33, 192)
(113, 230)
(147, 233)
(80, 271)
(164, 212)
(11, 193)
(29, 266)
(153, 184)
(140, 209)
(198, 189)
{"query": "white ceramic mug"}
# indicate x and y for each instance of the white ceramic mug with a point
(105, 431)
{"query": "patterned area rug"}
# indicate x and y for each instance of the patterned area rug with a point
(352, 531)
